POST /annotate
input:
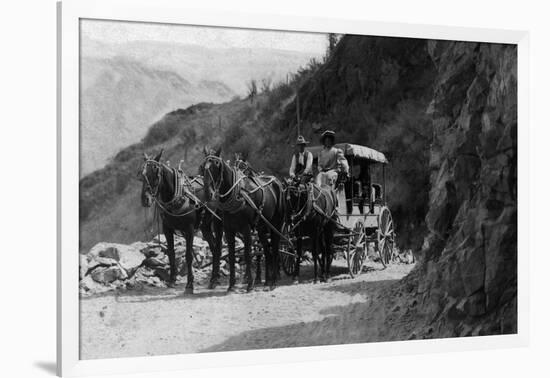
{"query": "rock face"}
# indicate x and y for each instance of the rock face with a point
(469, 260)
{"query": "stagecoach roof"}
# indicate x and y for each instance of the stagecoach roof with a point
(356, 151)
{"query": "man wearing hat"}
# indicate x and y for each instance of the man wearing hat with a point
(301, 160)
(331, 160)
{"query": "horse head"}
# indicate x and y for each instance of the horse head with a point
(150, 175)
(296, 198)
(212, 170)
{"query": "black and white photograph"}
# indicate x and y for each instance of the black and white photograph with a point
(254, 189)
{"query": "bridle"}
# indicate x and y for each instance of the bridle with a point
(152, 191)
(245, 167)
(299, 214)
(216, 185)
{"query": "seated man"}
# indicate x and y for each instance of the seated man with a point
(331, 161)
(302, 160)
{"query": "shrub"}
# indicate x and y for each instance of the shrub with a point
(162, 131)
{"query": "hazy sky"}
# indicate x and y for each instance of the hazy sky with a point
(121, 31)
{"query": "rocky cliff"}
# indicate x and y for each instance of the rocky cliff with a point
(468, 274)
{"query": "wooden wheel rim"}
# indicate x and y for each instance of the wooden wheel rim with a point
(385, 236)
(356, 251)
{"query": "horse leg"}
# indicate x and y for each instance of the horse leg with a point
(267, 255)
(296, 278)
(210, 239)
(315, 255)
(189, 234)
(231, 250)
(323, 254)
(329, 251)
(247, 240)
(275, 239)
(258, 278)
(169, 234)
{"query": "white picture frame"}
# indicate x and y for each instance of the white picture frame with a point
(170, 11)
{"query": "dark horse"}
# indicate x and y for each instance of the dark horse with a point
(182, 202)
(311, 211)
(247, 202)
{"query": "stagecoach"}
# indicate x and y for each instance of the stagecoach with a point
(363, 215)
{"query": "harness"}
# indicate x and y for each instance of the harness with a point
(312, 204)
(237, 197)
(184, 192)
(245, 167)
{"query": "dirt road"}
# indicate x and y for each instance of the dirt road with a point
(165, 321)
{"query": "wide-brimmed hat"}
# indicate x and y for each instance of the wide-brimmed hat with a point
(301, 140)
(328, 134)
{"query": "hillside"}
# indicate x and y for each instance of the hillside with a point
(110, 209)
(445, 115)
(121, 98)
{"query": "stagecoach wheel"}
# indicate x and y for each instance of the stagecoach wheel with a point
(356, 251)
(287, 253)
(385, 236)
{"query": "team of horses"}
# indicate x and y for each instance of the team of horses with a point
(234, 200)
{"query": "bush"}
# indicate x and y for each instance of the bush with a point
(163, 130)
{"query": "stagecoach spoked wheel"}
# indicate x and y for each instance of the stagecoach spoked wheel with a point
(287, 253)
(356, 252)
(386, 236)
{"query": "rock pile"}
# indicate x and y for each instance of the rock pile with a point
(110, 266)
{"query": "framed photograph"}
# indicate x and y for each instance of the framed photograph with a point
(268, 188)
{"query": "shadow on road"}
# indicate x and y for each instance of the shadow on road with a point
(357, 322)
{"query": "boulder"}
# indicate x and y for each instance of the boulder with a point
(130, 258)
(127, 256)
(162, 273)
(142, 274)
(155, 262)
(97, 261)
(152, 251)
(107, 275)
(145, 276)
(111, 252)
(88, 286)
(140, 246)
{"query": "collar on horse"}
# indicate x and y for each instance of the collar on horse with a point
(312, 205)
(230, 201)
(236, 197)
(179, 204)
